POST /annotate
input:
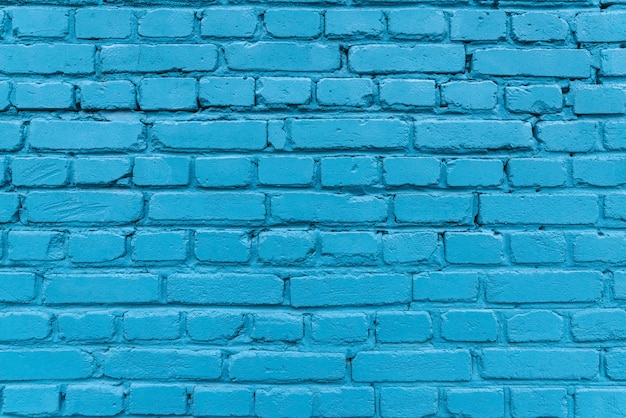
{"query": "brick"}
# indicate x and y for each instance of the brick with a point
(614, 206)
(102, 170)
(538, 26)
(403, 327)
(161, 171)
(445, 287)
(167, 94)
(592, 27)
(31, 399)
(293, 23)
(277, 327)
(612, 62)
(434, 208)
(475, 25)
(86, 326)
(598, 325)
(232, 22)
(350, 246)
(252, 289)
(39, 171)
(222, 400)
(469, 325)
(539, 363)
(353, 23)
(345, 402)
(158, 58)
(474, 173)
(94, 399)
(471, 135)
(328, 208)
(286, 366)
(409, 247)
(423, 24)
(10, 132)
(538, 247)
(348, 171)
(162, 363)
(339, 328)
(9, 203)
(24, 326)
(348, 290)
(474, 247)
(607, 248)
(397, 402)
(615, 135)
(95, 207)
(529, 402)
(348, 133)
(354, 92)
(149, 399)
(476, 402)
(146, 325)
(166, 23)
(107, 95)
(40, 22)
(599, 100)
(226, 91)
(215, 135)
(571, 136)
(536, 172)
(469, 95)
(387, 59)
(619, 285)
(60, 364)
(296, 402)
(222, 246)
(36, 245)
(43, 96)
(273, 91)
(282, 56)
(411, 366)
(43, 59)
(197, 206)
(286, 171)
(86, 136)
(615, 362)
(544, 287)
(5, 91)
(411, 171)
(536, 62)
(100, 288)
(396, 92)
(213, 325)
(607, 402)
(572, 209)
(534, 326)
(285, 247)
(534, 99)
(103, 23)
(17, 287)
(224, 172)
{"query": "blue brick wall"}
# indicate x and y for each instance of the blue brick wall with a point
(313, 208)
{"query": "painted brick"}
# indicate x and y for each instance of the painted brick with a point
(403, 327)
(466, 95)
(222, 400)
(537, 247)
(151, 363)
(386, 59)
(108, 95)
(142, 325)
(345, 402)
(411, 171)
(589, 27)
(396, 92)
(36, 245)
(166, 23)
(103, 23)
(279, 247)
(296, 402)
(339, 328)
(17, 287)
(101, 288)
(476, 402)
(528, 402)
(355, 92)
(467, 325)
(470, 135)
(282, 56)
(608, 248)
(40, 22)
(474, 248)
(603, 402)
(434, 208)
(536, 62)
(277, 366)
(161, 171)
(167, 93)
(348, 171)
(218, 135)
(39, 171)
(612, 62)
(43, 96)
(277, 327)
(102, 170)
(474, 173)
(158, 58)
(146, 399)
(274, 91)
(354, 23)
(536, 172)
(210, 326)
(397, 402)
(226, 91)
(24, 326)
(94, 399)
(535, 326)
(328, 208)
(572, 136)
(538, 26)
(228, 22)
(88, 326)
(426, 24)
(445, 287)
(222, 246)
(599, 100)
(409, 247)
(293, 23)
(286, 171)
(31, 399)
(63, 363)
(198, 206)
(223, 172)
(534, 99)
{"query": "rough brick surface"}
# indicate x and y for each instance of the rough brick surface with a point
(313, 208)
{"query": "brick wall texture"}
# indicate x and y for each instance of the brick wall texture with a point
(310, 208)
